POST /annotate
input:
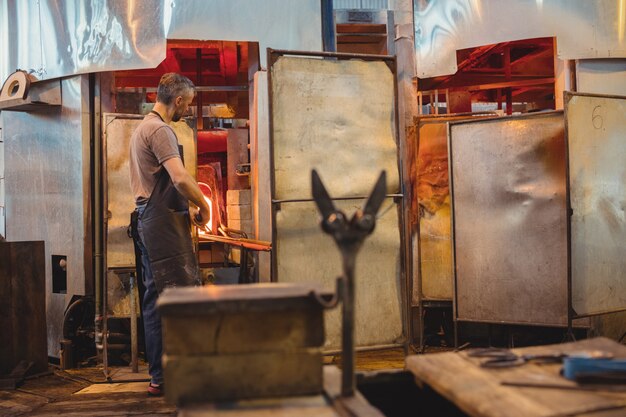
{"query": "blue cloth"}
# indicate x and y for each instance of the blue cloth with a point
(151, 317)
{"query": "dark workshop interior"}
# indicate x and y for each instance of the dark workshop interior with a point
(411, 208)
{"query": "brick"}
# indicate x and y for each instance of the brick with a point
(242, 212)
(196, 379)
(244, 225)
(238, 197)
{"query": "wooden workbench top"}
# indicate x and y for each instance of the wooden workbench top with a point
(531, 389)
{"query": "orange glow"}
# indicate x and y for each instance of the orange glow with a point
(206, 191)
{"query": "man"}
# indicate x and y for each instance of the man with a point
(163, 188)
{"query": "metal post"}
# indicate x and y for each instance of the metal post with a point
(348, 379)
(507, 74)
(328, 27)
(133, 325)
(98, 262)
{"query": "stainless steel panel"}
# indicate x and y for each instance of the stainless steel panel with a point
(60, 38)
(56, 39)
(306, 255)
(261, 175)
(120, 202)
(48, 190)
(509, 219)
(596, 137)
(324, 114)
(583, 28)
(601, 76)
(277, 24)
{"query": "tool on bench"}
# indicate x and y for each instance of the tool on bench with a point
(504, 358)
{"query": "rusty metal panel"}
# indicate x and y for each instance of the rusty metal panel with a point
(47, 185)
(324, 113)
(22, 306)
(434, 272)
(596, 140)
(120, 202)
(583, 28)
(509, 219)
(187, 138)
(433, 196)
(306, 255)
(118, 129)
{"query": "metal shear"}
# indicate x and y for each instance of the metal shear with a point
(349, 236)
(504, 358)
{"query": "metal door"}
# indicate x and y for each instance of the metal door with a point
(509, 219)
(338, 115)
(596, 142)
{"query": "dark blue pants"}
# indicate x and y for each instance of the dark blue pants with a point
(151, 317)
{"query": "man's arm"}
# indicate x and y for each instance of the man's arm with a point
(187, 186)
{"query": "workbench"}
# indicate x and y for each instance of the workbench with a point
(530, 389)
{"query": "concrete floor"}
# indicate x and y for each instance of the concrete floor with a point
(85, 392)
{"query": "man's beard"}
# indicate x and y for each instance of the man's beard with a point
(176, 117)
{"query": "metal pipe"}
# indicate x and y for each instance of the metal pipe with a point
(67, 314)
(328, 26)
(209, 88)
(133, 326)
(97, 218)
(304, 200)
(113, 346)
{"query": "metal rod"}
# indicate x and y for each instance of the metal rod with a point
(133, 326)
(329, 40)
(204, 89)
(348, 379)
(100, 321)
(304, 200)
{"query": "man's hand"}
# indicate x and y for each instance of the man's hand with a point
(200, 217)
(188, 187)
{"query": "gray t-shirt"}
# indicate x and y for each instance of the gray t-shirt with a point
(152, 143)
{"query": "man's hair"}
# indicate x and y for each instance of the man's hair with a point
(173, 85)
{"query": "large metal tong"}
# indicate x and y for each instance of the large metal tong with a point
(349, 236)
